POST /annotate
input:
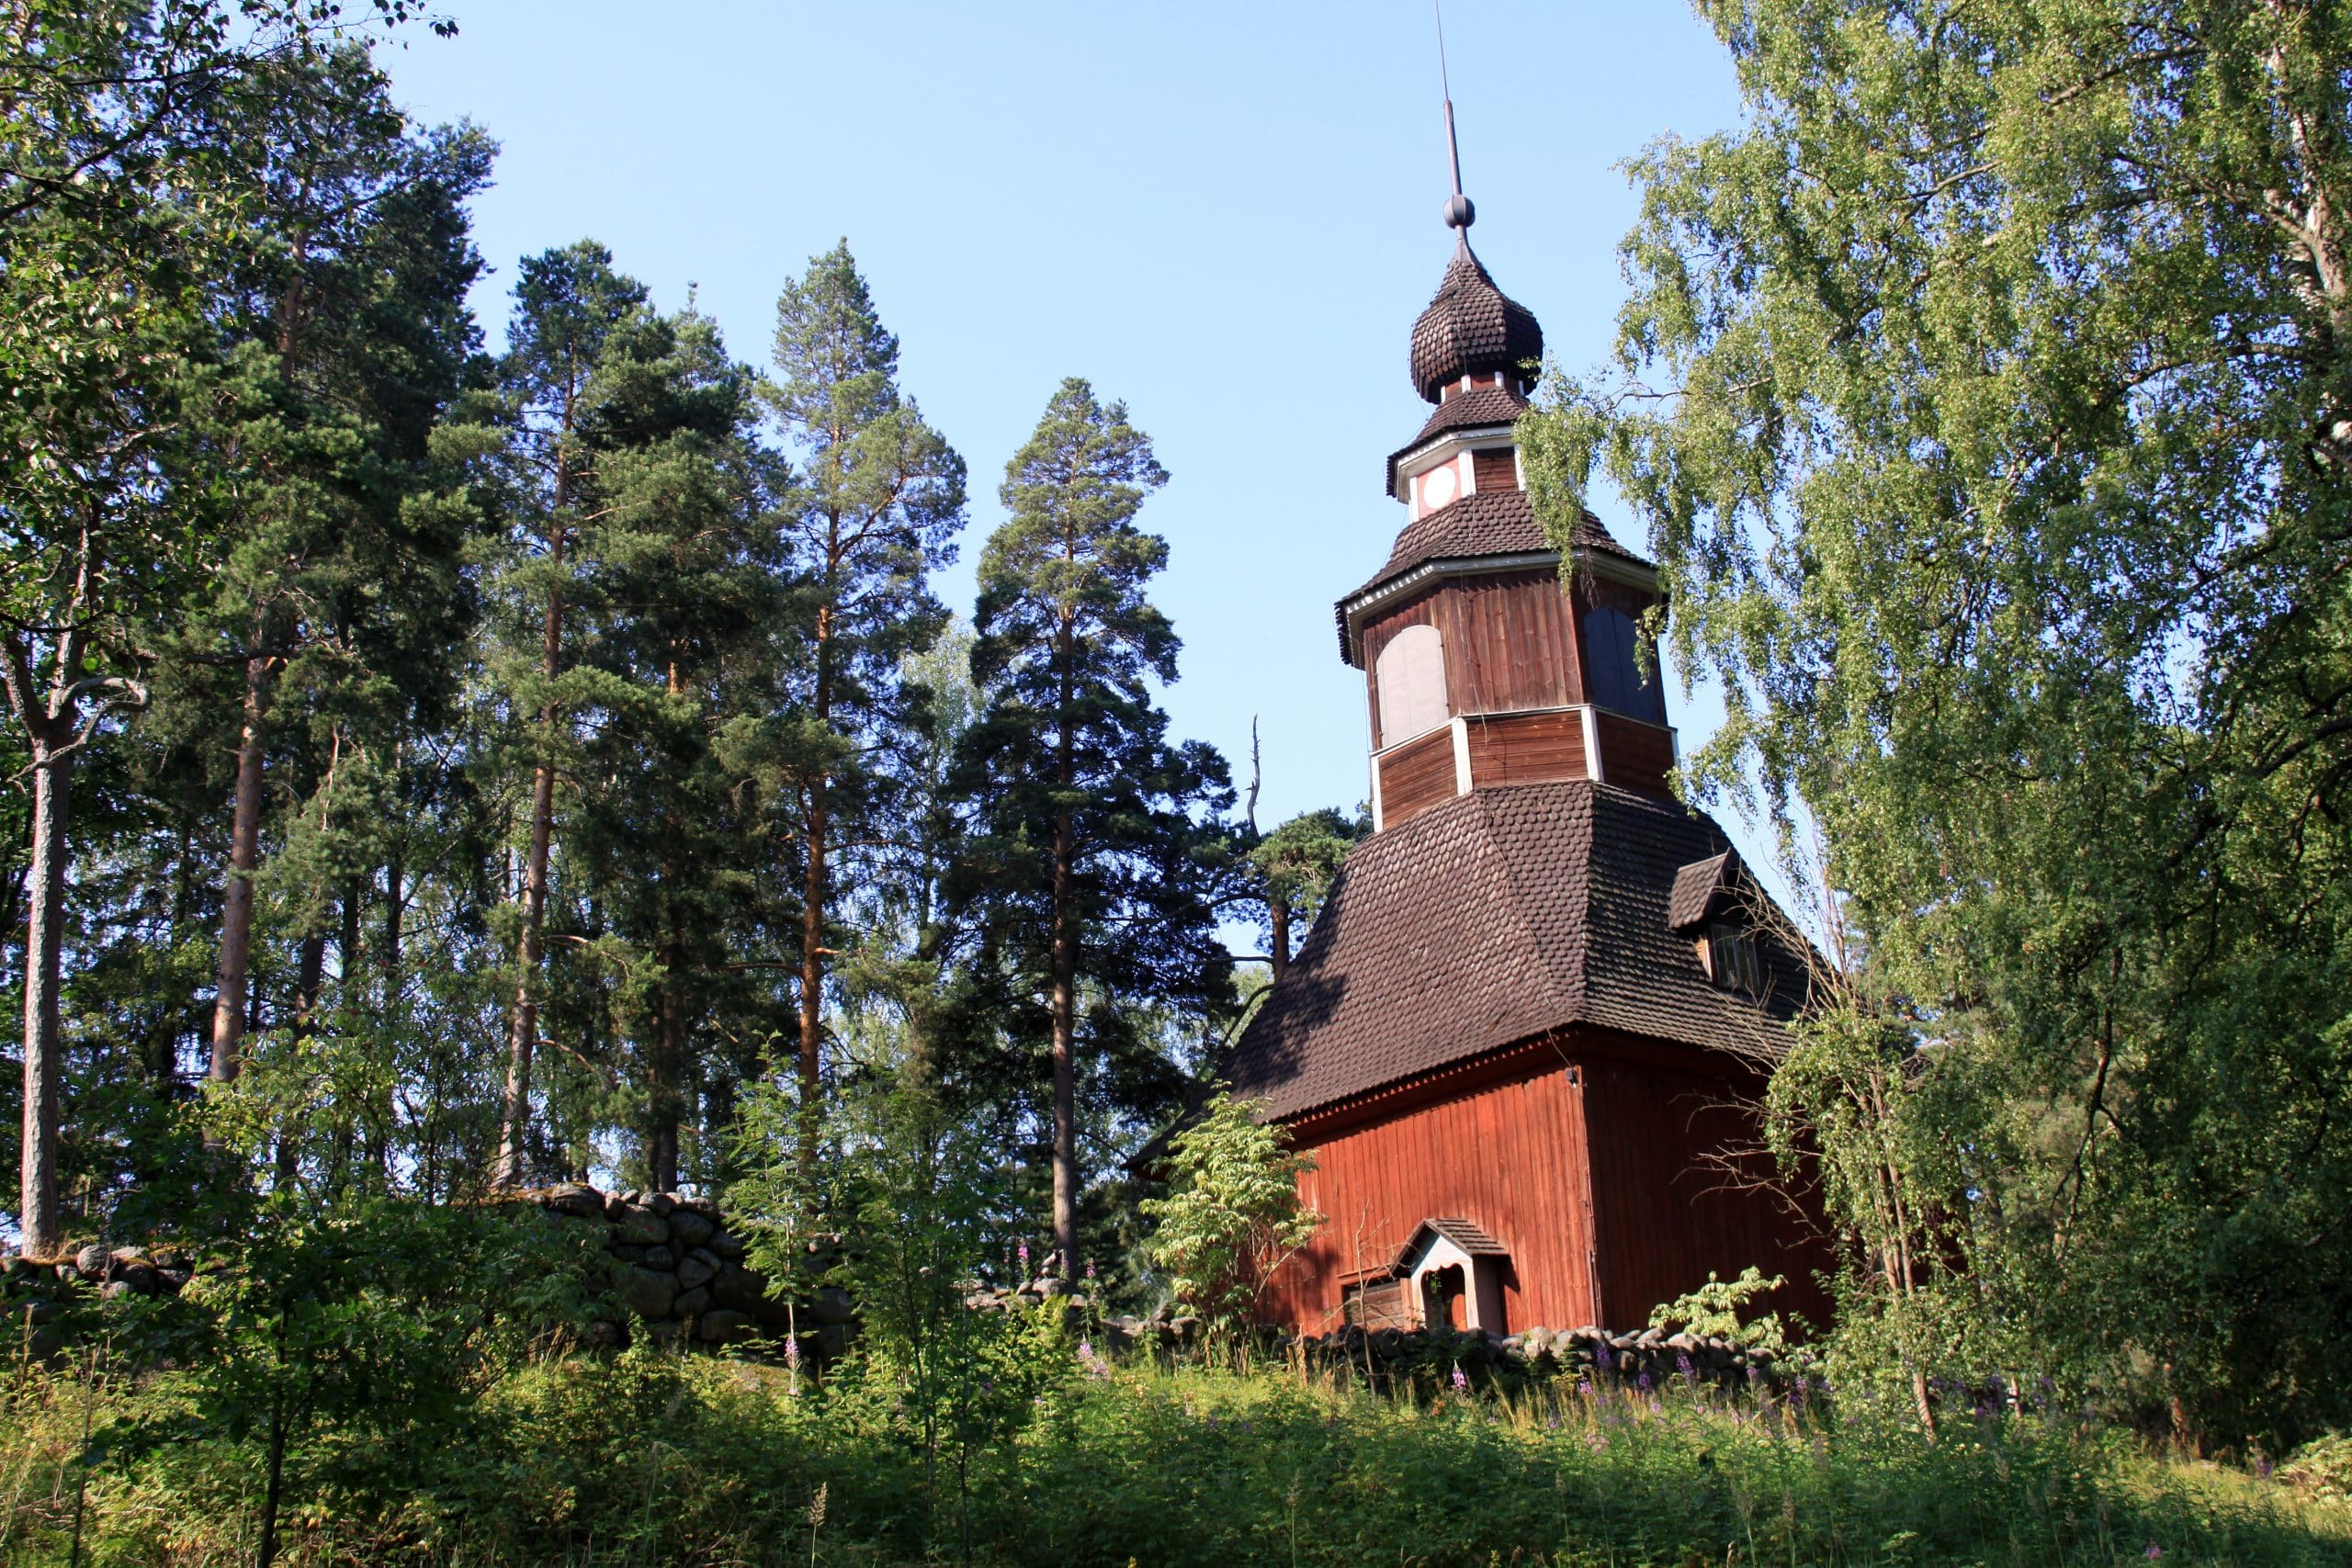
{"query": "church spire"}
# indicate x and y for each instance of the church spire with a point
(1472, 331)
(1460, 212)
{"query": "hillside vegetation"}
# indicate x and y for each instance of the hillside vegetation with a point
(648, 1458)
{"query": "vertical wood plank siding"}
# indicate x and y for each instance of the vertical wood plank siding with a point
(1616, 1180)
(1416, 775)
(1669, 1212)
(1503, 1157)
(1509, 643)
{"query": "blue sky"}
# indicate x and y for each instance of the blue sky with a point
(1226, 215)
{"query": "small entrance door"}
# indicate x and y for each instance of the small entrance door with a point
(1443, 1294)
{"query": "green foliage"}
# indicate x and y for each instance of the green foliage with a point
(326, 1355)
(651, 1458)
(1715, 1309)
(1232, 1216)
(2321, 1467)
(1984, 396)
(876, 510)
(1097, 857)
(1296, 864)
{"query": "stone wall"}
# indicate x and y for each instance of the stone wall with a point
(681, 1275)
(1644, 1359)
(673, 1267)
(41, 1287)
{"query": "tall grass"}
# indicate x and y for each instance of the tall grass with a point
(645, 1459)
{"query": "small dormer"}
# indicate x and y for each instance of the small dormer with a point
(1713, 906)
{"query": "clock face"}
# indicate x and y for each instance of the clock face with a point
(1438, 487)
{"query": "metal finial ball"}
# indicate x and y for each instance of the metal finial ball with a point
(1459, 213)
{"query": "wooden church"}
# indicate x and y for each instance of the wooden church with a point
(1524, 1038)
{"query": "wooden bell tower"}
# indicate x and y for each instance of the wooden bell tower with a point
(1482, 665)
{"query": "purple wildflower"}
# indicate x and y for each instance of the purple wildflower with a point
(792, 1352)
(1584, 1387)
(1601, 1357)
(1643, 1382)
(2154, 1552)
(1090, 1268)
(1461, 1379)
(1096, 1367)
(1021, 1252)
(1755, 1374)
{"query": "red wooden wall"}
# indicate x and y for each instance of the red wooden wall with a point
(1634, 755)
(1505, 1156)
(1670, 1213)
(1416, 775)
(1527, 747)
(1604, 1180)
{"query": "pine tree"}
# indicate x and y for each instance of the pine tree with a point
(350, 334)
(118, 203)
(1296, 864)
(566, 304)
(687, 559)
(882, 497)
(1096, 852)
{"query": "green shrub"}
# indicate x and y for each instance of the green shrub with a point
(2321, 1467)
(1231, 1216)
(649, 1458)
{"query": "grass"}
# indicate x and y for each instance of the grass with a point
(645, 1460)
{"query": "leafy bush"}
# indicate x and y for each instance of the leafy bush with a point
(1232, 1213)
(1715, 1308)
(2321, 1467)
(652, 1458)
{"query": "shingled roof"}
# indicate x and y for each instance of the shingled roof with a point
(1487, 407)
(1696, 888)
(1473, 1241)
(1489, 523)
(1472, 328)
(1503, 915)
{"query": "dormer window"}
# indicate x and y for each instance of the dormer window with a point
(1729, 952)
(1708, 904)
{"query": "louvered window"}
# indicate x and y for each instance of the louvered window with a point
(1612, 668)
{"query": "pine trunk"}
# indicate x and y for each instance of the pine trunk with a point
(1065, 999)
(384, 1118)
(44, 937)
(237, 895)
(815, 889)
(663, 1156)
(313, 981)
(523, 1036)
(1278, 917)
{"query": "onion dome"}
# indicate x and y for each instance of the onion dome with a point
(1472, 328)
